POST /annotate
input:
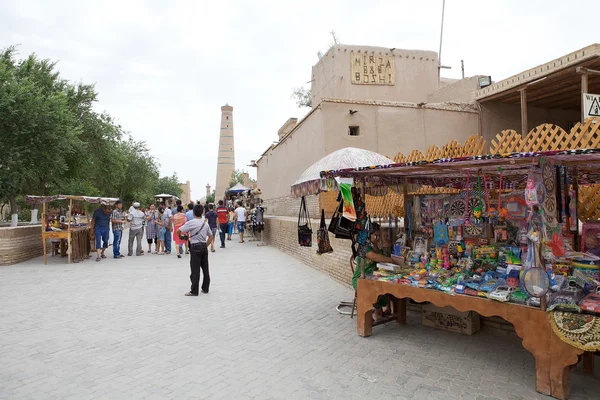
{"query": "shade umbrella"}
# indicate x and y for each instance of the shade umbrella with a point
(310, 182)
(239, 188)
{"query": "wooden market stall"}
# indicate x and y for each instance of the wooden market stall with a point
(483, 179)
(73, 234)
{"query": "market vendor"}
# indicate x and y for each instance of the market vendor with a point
(372, 256)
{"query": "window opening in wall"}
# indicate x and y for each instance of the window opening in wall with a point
(227, 117)
(353, 131)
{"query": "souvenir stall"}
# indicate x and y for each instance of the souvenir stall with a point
(71, 232)
(499, 236)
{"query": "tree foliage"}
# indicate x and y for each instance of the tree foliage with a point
(238, 177)
(55, 143)
(303, 97)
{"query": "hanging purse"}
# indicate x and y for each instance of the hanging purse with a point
(304, 228)
(341, 227)
(323, 244)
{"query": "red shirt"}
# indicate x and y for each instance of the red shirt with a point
(223, 214)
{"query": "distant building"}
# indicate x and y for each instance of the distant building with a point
(392, 100)
(186, 194)
(226, 155)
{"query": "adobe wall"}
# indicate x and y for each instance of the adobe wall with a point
(389, 130)
(416, 75)
(496, 117)
(20, 243)
(279, 168)
(385, 129)
(461, 90)
(282, 233)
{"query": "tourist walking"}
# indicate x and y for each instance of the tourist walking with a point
(230, 222)
(151, 228)
(160, 224)
(212, 217)
(200, 237)
(178, 220)
(136, 229)
(240, 220)
(222, 217)
(189, 214)
(101, 227)
(117, 219)
(168, 238)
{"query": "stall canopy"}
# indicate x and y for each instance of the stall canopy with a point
(311, 182)
(90, 199)
(508, 169)
(165, 196)
(239, 188)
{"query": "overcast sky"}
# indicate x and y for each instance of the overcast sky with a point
(164, 68)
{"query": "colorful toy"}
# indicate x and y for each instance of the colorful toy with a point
(502, 293)
(591, 303)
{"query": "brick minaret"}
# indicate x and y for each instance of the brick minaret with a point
(226, 160)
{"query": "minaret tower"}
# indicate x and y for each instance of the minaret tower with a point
(226, 160)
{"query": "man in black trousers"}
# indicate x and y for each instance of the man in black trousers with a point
(200, 237)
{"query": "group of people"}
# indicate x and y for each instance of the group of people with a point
(165, 225)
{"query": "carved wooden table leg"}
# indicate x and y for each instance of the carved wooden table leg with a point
(588, 362)
(562, 357)
(364, 309)
(400, 309)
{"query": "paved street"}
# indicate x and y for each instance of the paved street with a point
(268, 329)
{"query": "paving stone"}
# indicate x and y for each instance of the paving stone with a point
(268, 329)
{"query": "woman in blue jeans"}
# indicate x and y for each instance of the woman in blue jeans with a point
(101, 228)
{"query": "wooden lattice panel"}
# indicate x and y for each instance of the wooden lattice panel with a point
(428, 190)
(433, 153)
(415, 156)
(452, 149)
(544, 137)
(399, 158)
(586, 135)
(508, 141)
(382, 206)
(473, 146)
(589, 202)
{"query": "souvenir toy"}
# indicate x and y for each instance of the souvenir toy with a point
(591, 238)
(460, 288)
(518, 297)
(471, 292)
(502, 293)
(591, 303)
(513, 278)
(481, 294)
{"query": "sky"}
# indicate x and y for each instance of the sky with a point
(164, 69)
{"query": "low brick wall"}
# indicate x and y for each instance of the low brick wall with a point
(282, 233)
(290, 207)
(20, 243)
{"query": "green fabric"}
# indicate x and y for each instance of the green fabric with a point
(370, 266)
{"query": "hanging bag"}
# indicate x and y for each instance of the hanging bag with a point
(341, 227)
(324, 246)
(304, 228)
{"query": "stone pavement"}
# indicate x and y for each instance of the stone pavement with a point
(122, 329)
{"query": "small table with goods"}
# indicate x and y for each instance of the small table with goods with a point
(72, 230)
(496, 235)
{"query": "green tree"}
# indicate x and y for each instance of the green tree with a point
(169, 185)
(237, 176)
(55, 143)
(37, 129)
(211, 197)
(302, 96)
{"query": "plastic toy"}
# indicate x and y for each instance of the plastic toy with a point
(502, 293)
(591, 303)
(460, 288)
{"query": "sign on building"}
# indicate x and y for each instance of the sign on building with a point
(591, 105)
(372, 69)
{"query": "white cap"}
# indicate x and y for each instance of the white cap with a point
(136, 205)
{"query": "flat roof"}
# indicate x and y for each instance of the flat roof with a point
(555, 84)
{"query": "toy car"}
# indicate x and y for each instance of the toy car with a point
(460, 288)
(591, 303)
(502, 293)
